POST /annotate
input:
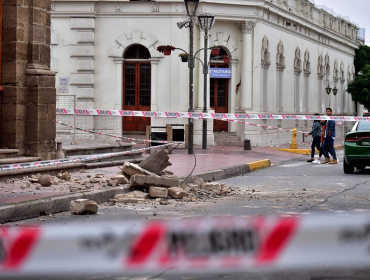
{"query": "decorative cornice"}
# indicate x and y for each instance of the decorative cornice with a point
(247, 26)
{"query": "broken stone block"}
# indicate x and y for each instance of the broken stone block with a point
(112, 183)
(45, 180)
(134, 169)
(34, 180)
(83, 206)
(156, 162)
(158, 192)
(94, 180)
(133, 197)
(121, 179)
(65, 176)
(25, 186)
(177, 193)
(147, 181)
(212, 186)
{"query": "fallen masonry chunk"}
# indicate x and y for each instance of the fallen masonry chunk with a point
(132, 169)
(83, 206)
(133, 197)
(158, 192)
(121, 179)
(65, 176)
(213, 186)
(112, 183)
(45, 180)
(177, 193)
(156, 162)
(147, 181)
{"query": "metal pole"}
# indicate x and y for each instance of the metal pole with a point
(205, 72)
(191, 67)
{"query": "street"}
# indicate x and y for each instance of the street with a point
(291, 188)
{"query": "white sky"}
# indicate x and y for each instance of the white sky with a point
(356, 10)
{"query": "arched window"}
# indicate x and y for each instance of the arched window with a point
(137, 52)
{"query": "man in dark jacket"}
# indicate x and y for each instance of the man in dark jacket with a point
(328, 145)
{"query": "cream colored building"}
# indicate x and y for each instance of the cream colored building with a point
(284, 53)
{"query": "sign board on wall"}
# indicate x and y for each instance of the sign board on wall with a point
(221, 73)
(63, 84)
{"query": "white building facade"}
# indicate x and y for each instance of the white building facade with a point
(284, 53)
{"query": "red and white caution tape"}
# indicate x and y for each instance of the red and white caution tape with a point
(122, 113)
(203, 245)
(18, 166)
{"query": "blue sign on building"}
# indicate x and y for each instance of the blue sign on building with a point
(223, 73)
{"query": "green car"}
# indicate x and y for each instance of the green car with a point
(357, 147)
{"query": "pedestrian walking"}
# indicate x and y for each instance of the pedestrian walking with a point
(328, 145)
(323, 127)
(316, 137)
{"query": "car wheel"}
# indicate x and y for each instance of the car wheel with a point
(348, 168)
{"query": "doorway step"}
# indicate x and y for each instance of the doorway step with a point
(227, 139)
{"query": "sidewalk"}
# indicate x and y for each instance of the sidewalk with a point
(17, 201)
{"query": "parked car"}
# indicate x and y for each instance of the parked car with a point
(357, 147)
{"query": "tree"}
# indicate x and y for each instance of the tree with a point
(362, 57)
(360, 87)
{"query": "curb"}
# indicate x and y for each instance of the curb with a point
(56, 204)
(304, 151)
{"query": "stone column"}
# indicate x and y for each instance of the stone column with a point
(154, 101)
(29, 98)
(246, 94)
(119, 83)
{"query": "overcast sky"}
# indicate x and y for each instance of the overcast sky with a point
(356, 10)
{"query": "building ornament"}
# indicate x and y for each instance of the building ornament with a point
(155, 8)
(247, 26)
(297, 61)
(342, 77)
(280, 58)
(320, 67)
(307, 63)
(118, 8)
(265, 53)
(336, 71)
(52, 6)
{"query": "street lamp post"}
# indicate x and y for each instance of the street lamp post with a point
(205, 21)
(191, 67)
(328, 90)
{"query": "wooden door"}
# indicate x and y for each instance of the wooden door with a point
(136, 94)
(219, 99)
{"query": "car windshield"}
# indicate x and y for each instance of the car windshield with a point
(363, 126)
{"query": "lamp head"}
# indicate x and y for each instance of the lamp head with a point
(183, 24)
(328, 90)
(206, 21)
(196, 2)
(335, 91)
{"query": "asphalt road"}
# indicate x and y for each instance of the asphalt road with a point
(294, 187)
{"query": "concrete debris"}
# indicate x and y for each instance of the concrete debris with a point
(83, 206)
(45, 180)
(132, 169)
(213, 186)
(177, 193)
(131, 197)
(147, 181)
(156, 162)
(64, 176)
(112, 183)
(158, 192)
(121, 179)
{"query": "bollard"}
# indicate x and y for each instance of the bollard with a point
(247, 144)
(59, 153)
(294, 144)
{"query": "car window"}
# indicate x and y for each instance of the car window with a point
(354, 127)
(363, 126)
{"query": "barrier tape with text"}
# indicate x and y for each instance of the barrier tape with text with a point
(215, 244)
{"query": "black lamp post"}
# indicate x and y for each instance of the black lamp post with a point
(190, 24)
(205, 21)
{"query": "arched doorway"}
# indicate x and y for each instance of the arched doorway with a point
(136, 87)
(219, 93)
